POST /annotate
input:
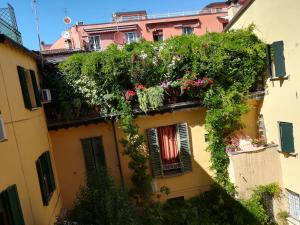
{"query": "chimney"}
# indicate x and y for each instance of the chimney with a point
(234, 7)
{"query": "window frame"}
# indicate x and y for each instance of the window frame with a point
(135, 37)
(94, 43)
(46, 177)
(292, 206)
(2, 128)
(185, 29)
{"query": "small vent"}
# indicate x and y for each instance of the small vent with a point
(46, 96)
(2, 130)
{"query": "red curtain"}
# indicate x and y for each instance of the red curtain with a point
(168, 144)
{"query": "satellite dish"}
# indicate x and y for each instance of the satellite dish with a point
(119, 38)
(65, 34)
(67, 20)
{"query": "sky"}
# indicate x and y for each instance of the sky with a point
(52, 12)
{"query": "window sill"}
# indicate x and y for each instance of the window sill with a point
(3, 140)
(294, 154)
(286, 77)
(34, 109)
(293, 220)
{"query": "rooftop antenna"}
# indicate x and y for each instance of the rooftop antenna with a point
(34, 8)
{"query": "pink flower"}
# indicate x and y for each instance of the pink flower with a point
(129, 94)
(139, 87)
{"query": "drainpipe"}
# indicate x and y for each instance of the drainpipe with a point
(118, 152)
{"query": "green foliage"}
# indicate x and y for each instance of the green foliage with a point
(234, 61)
(150, 98)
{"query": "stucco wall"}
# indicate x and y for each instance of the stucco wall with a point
(275, 21)
(70, 163)
(27, 139)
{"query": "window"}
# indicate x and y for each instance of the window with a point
(187, 30)
(93, 154)
(131, 37)
(29, 87)
(286, 137)
(158, 35)
(68, 43)
(169, 149)
(2, 130)
(94, 43)
(275, 59)
(294, 204)
(10, 208)
(46, 177)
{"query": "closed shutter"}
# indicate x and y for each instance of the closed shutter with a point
(50, 171)
(36, 90)
(98, 152)
(154, 152)
(269, 60)
(185, 152)
(24, 87)
(10, 195)
(88, 155)
(286, 137)
(279, 60)
(40, 171)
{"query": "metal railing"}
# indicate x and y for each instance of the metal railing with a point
(169, 15)
(8, 24)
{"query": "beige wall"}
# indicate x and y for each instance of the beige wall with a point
(278, 20)
(27, 139)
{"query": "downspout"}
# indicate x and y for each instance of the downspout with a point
(118, 152)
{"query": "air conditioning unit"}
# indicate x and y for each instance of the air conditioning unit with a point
(46, 96)
(3, 136)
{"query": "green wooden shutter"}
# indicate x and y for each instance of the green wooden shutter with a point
(98, 151)
(88, 154)
(279, 60)
(24, 87)
(154, 152)
(50, 171)
(40, 171)
(269, 60)
(286, 137)
(11, 196)
(185, 152)
(36, 90)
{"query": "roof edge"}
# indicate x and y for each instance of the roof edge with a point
(238, 14)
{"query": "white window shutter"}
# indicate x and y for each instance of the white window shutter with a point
(2, 130)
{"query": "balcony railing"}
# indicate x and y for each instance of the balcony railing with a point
(8, 24)
(169, 15)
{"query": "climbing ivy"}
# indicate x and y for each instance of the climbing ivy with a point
(231, 63)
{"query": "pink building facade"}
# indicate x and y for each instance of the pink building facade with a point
(128, 27)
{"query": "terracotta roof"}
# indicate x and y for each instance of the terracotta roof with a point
(144, 12)
(61, 51)
(244, 8)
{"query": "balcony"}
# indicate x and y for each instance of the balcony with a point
(170, 15)
(8, 24)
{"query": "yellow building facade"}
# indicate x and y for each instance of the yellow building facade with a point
(29, 190)
(276, 23)
(68, 147)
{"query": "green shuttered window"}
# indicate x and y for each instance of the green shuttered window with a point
(46, 177)
(10, 207)
(275, 56)
(286, 137)
(29, 87)
(156, 153)
(93, 154)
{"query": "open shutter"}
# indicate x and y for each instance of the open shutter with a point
(2, 130)
(40, 171)
(154, 152)
(185, 152)
(37, 93)
(50, 171)
(98, 152)
(88, 154)
(11, 197)
(286, 137)
(269, 60)
(24, 87)
(279, 60)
